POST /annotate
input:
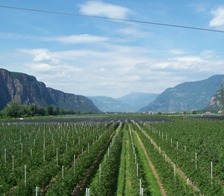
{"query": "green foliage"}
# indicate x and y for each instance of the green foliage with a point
(174, 185)
(118, 160)
(148, 179)
(15, 110)
(105, 181)
(68, 139)
(204, 137)
(128, 182)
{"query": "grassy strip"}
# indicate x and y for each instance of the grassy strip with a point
(149, 176)
(122, 169)
(132, 181)
(128, 182)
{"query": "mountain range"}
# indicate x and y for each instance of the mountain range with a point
(27, 90)
(129, 103)
(187, 96)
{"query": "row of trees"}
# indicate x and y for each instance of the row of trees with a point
(15, 110)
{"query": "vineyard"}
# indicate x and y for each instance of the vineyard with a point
(114, 157)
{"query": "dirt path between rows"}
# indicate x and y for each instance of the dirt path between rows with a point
(162, 190)
(78, 189)
(169, 160)
(45, 188)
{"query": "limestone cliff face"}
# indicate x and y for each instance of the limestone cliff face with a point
(24, 88)
(27, 90)
(215, 102)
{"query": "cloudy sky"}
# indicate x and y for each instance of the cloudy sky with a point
(80, 54)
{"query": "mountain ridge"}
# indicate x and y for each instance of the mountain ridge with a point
(186, 96)
(137, 100)
(109, 104)
(27, 90)
(131, 102)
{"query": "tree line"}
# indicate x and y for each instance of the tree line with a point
(16, 110)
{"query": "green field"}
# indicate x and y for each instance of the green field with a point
(112, 155)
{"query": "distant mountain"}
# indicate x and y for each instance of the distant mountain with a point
(186, 96)
(109, 104)
(137, 100)
(27, 90)
(128, 103)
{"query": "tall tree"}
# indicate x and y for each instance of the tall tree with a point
(13, 109)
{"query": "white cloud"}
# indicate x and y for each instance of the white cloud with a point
(218, 18)
(33, 51)
(100, 8)
(41, 56)
(181, 64)
(69, 39)
(77, 39)
(176, 51)
(189, 59)
(114, 70)
(209, 54)
(41, 67)
(131, 31)
(44, 57)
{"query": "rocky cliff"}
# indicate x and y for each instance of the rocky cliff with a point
(27, 90)
(217, 101)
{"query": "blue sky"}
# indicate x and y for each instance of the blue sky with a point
(90, 56)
